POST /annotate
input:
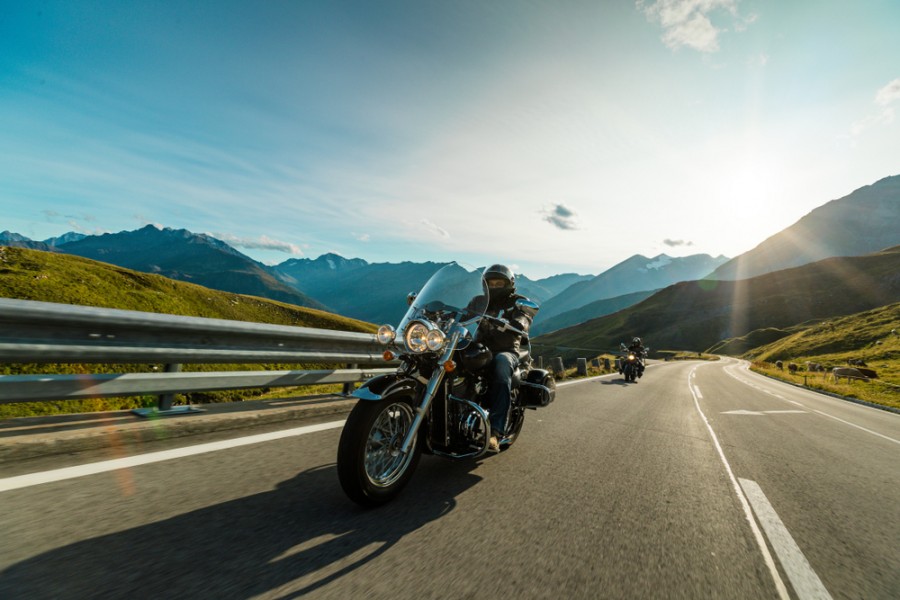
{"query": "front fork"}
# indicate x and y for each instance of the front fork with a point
(430, 391)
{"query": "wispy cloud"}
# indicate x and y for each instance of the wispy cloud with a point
(676, 243)
(885, 99)
(435, 229)
(263, 242)
(361, 237)
(561, 216)
(688, 22)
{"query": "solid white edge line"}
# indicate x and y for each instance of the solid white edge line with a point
(748, 513)
(804, 580)
(22, 481)
(824, 414)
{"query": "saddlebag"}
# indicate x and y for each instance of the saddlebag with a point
(538, 389)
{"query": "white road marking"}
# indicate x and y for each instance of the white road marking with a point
(697, 392)
(757, 534)
(824, 414)
(857, 426)
(22, 481)
(762, 412)
(807, 584)
(584, 380)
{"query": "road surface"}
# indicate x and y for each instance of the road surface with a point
(701, 480)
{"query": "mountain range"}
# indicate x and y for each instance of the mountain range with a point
(636, 274)
(864, 221)
(699, 314)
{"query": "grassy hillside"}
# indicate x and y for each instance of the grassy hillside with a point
(50, 277)
(697, 315)
(871, 336)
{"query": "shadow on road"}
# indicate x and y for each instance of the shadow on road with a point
(618, 381)
(287, 542)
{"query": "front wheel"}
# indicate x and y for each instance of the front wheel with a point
(371, 468)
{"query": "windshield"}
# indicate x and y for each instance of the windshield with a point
(453, 292)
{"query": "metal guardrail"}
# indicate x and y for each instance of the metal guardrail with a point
(43, 332)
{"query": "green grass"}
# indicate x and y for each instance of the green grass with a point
(50, 277)
(870, 335)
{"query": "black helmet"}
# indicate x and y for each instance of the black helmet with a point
(501, 281)
(636, 341)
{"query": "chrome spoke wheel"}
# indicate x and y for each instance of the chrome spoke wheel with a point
(384, 462)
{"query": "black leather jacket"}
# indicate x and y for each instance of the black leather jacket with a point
(505, 341)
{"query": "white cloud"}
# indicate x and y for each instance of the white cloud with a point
(889, 93)
(676, 243)
(885, 98)
(435, 229)
(263, 242)
(361, 237)
(561, 216)
(688, 22)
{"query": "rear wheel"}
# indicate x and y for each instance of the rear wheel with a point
(371, 468)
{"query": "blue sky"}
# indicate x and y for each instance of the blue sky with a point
(555, 136)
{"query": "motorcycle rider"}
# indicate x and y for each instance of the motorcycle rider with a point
(637, 348)
(504, 344)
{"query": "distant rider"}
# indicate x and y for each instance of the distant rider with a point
(637, 348)
(504, 345)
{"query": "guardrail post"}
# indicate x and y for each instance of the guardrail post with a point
(164, 406)
(165, 400)
(581, 364)
(556, 364)
(348, 387)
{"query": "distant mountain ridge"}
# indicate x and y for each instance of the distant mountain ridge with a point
(696, 315)
(867, 220)
(635, 274)
(864, 221)
(186, 256)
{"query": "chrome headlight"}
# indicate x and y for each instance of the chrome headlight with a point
(435, 340)
(386, 334)
(415, 337)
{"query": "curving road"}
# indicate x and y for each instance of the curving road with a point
(702, 480)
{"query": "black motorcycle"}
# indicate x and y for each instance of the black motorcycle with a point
(631, 364)
(436, 401)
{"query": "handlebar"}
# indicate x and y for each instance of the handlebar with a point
(506, 325)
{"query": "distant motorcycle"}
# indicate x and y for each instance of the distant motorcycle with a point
(436, 401)
(631, 364)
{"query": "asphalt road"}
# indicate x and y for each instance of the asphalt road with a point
(702, 480)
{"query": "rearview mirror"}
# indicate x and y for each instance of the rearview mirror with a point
(527, 306)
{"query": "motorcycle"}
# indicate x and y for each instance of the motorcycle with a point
(631, 364)
(436, 401)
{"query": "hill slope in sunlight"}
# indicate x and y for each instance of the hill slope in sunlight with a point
(53, 277)
(867, 220)
(696, 315)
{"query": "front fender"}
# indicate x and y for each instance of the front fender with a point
(378, 387)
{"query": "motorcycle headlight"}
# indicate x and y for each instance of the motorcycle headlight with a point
(415, 337)
(386, 334)
(435, 340)
(631, 357)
